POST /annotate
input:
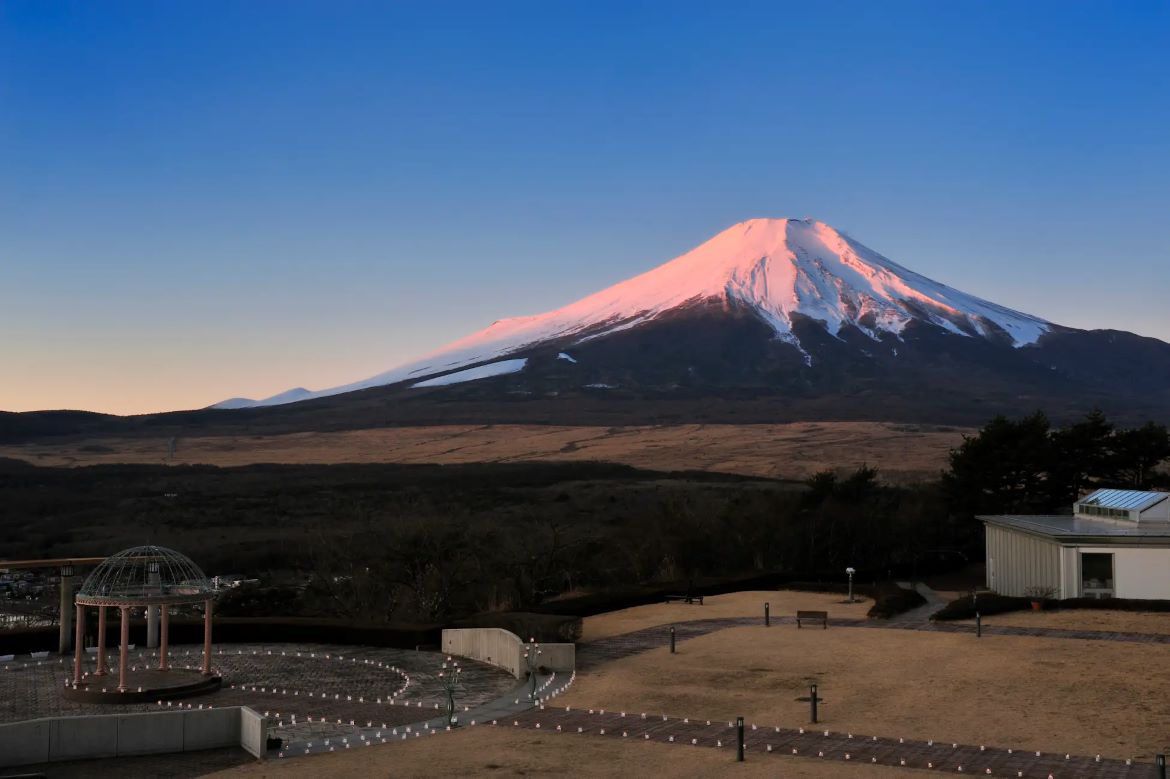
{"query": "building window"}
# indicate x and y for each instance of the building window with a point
(1088, 509)
(1096, 575)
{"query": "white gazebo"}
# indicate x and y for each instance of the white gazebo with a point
(151, 578)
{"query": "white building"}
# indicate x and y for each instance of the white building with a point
(1115, 545)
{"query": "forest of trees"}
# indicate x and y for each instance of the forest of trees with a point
(380, 543)
(1027, 466)
(438, 569)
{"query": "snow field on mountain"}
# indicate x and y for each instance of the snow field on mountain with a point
(501, 368)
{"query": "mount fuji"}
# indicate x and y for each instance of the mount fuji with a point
(800, 280)
(770, 321)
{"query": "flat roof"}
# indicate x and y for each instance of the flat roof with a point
(1062, 527)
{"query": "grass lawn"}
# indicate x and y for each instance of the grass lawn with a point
(1084, 697)
(1085, 619)
(488, 751)
(735, 604)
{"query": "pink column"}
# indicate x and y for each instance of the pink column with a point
(101, 642)
(78, 642)
(162, 643)
(207, 636)
(124, 648)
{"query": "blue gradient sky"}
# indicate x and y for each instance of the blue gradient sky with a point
(205, 199)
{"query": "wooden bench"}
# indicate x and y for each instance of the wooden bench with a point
(685, 599)
(821, 616)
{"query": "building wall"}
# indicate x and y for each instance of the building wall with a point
(1017, 561)
(1137, 573)
(1159, 512)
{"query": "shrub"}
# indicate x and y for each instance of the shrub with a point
(891, 600)
(988, 603)
(993, 603)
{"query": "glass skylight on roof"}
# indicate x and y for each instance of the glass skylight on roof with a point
(1125, 500)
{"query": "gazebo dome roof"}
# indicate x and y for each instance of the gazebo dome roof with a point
(143, 576)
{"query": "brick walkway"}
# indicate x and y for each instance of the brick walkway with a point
(605, 650)
(770, 743)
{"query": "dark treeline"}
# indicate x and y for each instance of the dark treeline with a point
(442, 568)
(1028, 466)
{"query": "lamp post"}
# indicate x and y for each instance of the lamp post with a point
(65, 612)
(449, 678)
(532, 660)
(851, 570)
(154, 583)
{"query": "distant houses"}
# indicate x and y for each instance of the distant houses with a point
(1116, 544)
(231, 581)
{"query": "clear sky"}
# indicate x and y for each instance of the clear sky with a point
(206, 199)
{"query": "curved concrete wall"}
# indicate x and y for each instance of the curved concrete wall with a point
(504, 649)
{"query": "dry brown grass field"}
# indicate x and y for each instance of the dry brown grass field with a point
(488, 751)
(1055, 695)
(797, 450)
(735, 604)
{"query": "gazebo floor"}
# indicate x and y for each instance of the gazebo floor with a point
(143, 685)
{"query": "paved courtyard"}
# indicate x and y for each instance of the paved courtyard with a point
(308, 690)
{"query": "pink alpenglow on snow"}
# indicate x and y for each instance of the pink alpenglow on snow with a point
(777, 267)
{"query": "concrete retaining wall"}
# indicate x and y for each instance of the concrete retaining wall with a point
(253, 733)
(504, 649)
(114, 735)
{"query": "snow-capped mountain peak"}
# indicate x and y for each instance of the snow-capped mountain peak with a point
(778, 268)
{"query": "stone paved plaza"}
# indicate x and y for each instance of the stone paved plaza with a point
(304, 688)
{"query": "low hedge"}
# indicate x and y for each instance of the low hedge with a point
(1114, 604)
(988, 603)
(993, 603)
(891, 600)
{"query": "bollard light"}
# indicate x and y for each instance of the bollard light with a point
(739, 739)
(850, 571)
